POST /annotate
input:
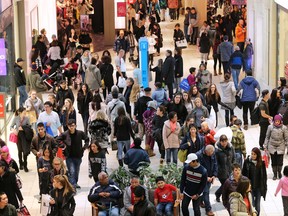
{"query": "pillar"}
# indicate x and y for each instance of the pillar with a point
(109, 23)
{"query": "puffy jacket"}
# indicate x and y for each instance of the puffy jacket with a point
(229, 92)
(100, 130)
(276, 139)
(170, 140)
(240, 33)
(134, 156)
(225, 49)
(225, 159)
(249, 84)
(236, 60)
(238, 206)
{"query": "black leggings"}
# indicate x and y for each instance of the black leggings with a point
(276, 159)
(104, 91)
(217, 57)
(161, 148)
(227, 117)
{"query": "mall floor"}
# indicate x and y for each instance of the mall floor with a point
(191, 57)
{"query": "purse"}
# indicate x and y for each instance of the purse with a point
(114, 145)
(181, 44)
(18, 181)
(13, 137)
(23, 211)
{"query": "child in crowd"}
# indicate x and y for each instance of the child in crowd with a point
(163, 197)
(159, 95)
(283, 185)
(192, 76)
(96, 159)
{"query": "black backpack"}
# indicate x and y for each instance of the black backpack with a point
(255, 116)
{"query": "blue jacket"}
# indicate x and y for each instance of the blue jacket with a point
(159, 95)
(248, 84)
(236, 60)
(209, 162)
(112, 188)
(134, 156)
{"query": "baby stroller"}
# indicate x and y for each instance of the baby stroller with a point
(52, 76)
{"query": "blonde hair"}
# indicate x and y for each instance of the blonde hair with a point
(63, 180)
(71, 108)
(62, 165)
(100, 115)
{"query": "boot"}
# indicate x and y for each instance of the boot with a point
(274, 168)
(147, 147)
(120, 162)
(151, 153)
(215, 72)
(21, 165)
(220, 73)
(25, 167)
(279, 168)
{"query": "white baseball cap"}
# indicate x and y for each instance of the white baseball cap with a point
(191, 157)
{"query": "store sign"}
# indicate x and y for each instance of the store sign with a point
(120, 14)
(2, 106)
(121, 9)
(239, 2)
(283, 3)
(3, 71)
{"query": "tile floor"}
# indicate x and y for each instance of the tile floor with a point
(191, 57)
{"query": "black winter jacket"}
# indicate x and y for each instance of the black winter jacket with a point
(62, 94)
(144, 208)
(68, 205)
(100, 130)
(141, 107)
(19, 76)
(178, 66)
(106, 71)
(168, 70)
(83, 102)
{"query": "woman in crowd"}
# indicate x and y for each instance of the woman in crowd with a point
(123, 132)
(275, 143)
(229, 93)
(254, 169)
(62, 200)
(94, 106)
(67, 112)
(178, 34)
(187, 102)
(63, 92)
(204, 47)
(156, 31)
(85, 63)
(199, 113)
(178, 67)
(151, 44)
(212, 98)
(170, 134)
(93, 76)
(59, 168)
(106, 70)
(204, 79)
(84, 97)
(274, 102)
(54, 53)
(194, 93)
(193, 141)
(241, 200)
(100, 129)
(96, 159)
(185, 128)
(178, 106)
(10, 162)
(17, 127)
(52, 99)
(216, 56)
(159, 94)
(73, 39)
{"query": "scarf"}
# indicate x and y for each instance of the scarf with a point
(173, 126)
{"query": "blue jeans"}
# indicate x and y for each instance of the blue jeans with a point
(23, 95)
(174, 153)
(247, 64)
(121, 145)
(256, 197)
(114, 211)
(206, 197)
(166, 208)
(186, 33)
(73, 165)
(238, 157)
(235, 75)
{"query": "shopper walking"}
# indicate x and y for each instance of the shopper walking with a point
(20, 81)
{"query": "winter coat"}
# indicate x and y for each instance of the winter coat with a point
(144, 208)
(124, 131)
(225, 49)
(204, 44)
(178, 66)
(238, 206)
(276, 139)
(238, 140)
(178, 35)
(24, 139)
(62, 94)
(99, 131)
(191, 146)
(274, 106)
(240, 36)
(208, 162)
(256, 174)
(112, 108)
(204, 79)
(134, 156)
(141, 107)
(83, 101)
(93, 77)
(170, 140)
(148, 116)
(180, 109)
(19, 76)
(37, 104)
(248, 51)
(229, 93)
(9, 186)
(168, 70)
(35, 82)
(236, 60)
(106, 71)
(68, 204)
(225, 159)
(121, 43)
(249, 84)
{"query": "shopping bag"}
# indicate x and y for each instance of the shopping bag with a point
(181, 44)
(114, 145)
(182, 155)
(13, 137)
(184, 85)
(121, 82)
(23, 211)
(60, 153)
(265, 158)
(45, 206)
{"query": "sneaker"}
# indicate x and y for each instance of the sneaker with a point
(161, 161)
(210, 213)
(245, 127)
(78, 187)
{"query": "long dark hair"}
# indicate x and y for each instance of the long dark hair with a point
(87, 89)
(209, 94)
(243, 186)
(121, 115)
(191, 91)
(19, 111)
(259, 157)
(96, 102)
(51, 156)
(273, 96)
(95, 143)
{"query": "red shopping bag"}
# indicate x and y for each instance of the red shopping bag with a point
(60, 153)
(265, 158)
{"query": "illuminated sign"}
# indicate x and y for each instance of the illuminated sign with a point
(119, 16)
(3, 70)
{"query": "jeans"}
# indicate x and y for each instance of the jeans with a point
(256, 198)
(166, 208)
(196, 206)
(121, 145)
(206, 197)
(177, 83)
(113, 212)
(238, 157)
(23, 95)
(225, 67)
(194, 35)
(73, 165)
(227, 118)
(248, 64)
(85, 117)
(235, 75)
(247, 105)
(174, 153)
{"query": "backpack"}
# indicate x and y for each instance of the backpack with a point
(283, 110)
(255, 116)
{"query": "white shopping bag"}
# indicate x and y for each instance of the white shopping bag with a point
(121, 82)
(45, 206)
(181, 44)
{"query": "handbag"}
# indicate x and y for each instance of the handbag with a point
(18, 181)
(121, 82)
(181, 44)
(13, 137)
(114, 145)
(238, 102)
(182, 155)
(23, 211)
(184, 85)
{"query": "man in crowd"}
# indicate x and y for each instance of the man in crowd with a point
(106, 193)
(193, 182)
(142, 207)
(120, 67)
(187, 23)
(6, 208)
(207, 159)
(74, 149)
(168, 72)
(20, 81)
(225, 49)
(248, 53)
(236, 63)
(240, 34)
(50, 119)
(121, 42)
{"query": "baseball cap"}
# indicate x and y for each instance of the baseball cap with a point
(20, 60)
(191, 157)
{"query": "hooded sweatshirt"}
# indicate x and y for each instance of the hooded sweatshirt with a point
(225, 49)
(283, 185)
(249, 85)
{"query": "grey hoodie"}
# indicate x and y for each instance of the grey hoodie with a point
(225, 49)
(93, 77)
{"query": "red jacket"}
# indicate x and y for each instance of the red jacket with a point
(208, 137)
